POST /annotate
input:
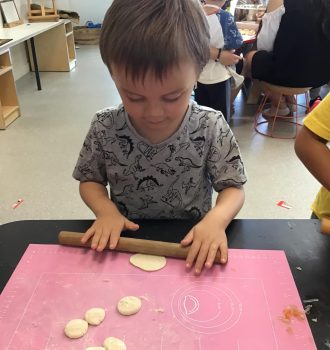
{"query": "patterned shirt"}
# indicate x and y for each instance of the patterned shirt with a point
(170, 180)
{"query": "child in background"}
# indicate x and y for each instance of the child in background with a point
(311, 148)
(160, 152)
(214, 83)
(232, 36)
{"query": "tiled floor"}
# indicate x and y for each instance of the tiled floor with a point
(39, 150)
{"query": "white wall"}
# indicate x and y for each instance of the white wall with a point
(93, 10)
(89, 10)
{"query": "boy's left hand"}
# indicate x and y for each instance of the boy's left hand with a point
(207, 239)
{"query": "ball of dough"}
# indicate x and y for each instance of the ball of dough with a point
(76, 328)
(148, 262)
(129, 305)
(113, 343)
(95, 316)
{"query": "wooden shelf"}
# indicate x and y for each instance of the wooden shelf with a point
(56, 49)
(68, 27)
(9, 107)
(10, 113)
(4, 70)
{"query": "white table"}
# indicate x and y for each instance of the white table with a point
(24, 32)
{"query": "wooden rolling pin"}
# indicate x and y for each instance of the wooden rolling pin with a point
(325, 226)
(133, 245)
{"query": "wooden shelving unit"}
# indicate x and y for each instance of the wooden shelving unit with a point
(56, 49)
(9, 107)
(70, 44)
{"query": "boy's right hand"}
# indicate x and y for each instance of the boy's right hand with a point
(108, 229)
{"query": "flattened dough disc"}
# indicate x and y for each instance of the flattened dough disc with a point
(148, 262)
(76, 328)
(113, 343)
(95, 316)
(129, 305)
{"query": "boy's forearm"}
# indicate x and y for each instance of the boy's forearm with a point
(228, 204)
(315, 155)
(96, 197)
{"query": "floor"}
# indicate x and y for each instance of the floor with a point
(39, 150)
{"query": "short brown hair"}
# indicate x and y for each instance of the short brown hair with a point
(143, 35)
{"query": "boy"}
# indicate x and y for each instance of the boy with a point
(311, 148)
(159, 152)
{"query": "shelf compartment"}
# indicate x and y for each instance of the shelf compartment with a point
(4, 69)
(9, 106)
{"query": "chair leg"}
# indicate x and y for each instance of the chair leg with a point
(276, 116)
(259, 111)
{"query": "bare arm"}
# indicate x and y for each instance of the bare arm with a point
(273, 5)
(96, 197)
(312, 150)
(229, 202)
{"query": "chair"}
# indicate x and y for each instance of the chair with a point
(287, 126)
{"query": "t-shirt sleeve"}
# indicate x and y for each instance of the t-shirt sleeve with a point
(232, 36)
(270, 24)
(91, 162)
(224, 161)
(318, 121)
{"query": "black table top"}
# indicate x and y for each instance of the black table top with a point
(304, 246)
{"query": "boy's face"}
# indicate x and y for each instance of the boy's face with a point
(156, 108)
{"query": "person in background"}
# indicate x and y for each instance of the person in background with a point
(213, 86)
(300, 54)
(311, 148)
(160, 152)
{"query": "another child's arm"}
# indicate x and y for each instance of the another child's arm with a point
(312, 150)
(311, 142)
(209, 236)
(109, 221)
(227, 57)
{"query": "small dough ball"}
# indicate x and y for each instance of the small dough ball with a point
(129, 305)
(148, 262)
(76, 328)
(113, 343)
(95, 316)
(95, 348)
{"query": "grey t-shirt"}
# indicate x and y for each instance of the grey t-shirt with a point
(170, 180)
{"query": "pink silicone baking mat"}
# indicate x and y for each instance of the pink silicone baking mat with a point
(236, 307)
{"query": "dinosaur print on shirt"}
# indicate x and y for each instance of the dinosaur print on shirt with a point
(171, 180)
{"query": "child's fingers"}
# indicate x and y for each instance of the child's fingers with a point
(193, 252)
(130, 225)
(211, 255)
(223, 252)
(103, 240)
(96, 239)
(115, 234)
(88, 234)
(202, 255)
(188, 238)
